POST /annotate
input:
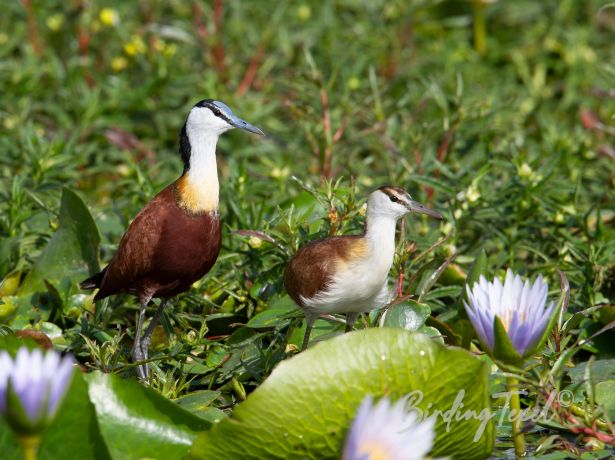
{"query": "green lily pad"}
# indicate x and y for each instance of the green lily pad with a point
(409, 315)
(137, 422)
(306, 406)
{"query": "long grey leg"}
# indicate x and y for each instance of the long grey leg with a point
(309, 319)
(147, 337)
(351, 318)
(137, 354)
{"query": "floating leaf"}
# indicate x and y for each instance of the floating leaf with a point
(305, 407)
(138, 422)
(409, 315)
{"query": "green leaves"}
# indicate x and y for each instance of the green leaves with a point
(138, 422)
(71, 252)
(409, 315)
(110, 417)
(304, 409)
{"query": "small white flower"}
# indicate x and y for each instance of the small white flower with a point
(525, 170)
(387, 431)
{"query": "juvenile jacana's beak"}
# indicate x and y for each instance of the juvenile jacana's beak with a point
(415, 206)
(243, 124)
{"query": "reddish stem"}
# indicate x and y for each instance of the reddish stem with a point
(326, 126)
(400, 285)
(199, 24)
(447, 138)
(444, 145)
(340, 131)
(83, 40)
(35, 38)
(250, 75)
(218, 49)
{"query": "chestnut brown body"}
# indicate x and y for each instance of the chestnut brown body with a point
(165, 249)
(176, 238)
(349, 274)
(311, 270)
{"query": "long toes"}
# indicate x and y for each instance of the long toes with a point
(144, 372)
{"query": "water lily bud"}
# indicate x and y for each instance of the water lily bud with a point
(512, 320)
(32, 386)
(386, 430)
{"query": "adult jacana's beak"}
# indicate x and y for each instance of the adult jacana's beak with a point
(415, 206)
(243, 124)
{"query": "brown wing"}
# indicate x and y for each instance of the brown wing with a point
(135, 255)
(312, 268)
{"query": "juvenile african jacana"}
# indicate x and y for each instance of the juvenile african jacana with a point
(348, 274)
(175, 239)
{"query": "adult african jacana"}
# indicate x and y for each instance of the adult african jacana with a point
(175, 239)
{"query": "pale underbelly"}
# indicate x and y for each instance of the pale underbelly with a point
(355, 294)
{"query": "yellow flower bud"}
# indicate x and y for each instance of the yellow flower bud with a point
(55, 22)
(472, 194)
(525, 170)
(304, 12)
(255, 242)
(109, 17)
(170, 49)
(354, 83)
(119, 63)
(135, 46)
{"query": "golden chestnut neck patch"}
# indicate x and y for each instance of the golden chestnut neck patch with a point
(197, 197)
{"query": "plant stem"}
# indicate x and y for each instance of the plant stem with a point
(480, 29)
(29, 446)
(515, 414)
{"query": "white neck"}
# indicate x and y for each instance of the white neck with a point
(202, 187)
(380, 235)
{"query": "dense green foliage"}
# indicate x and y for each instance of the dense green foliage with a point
(513, 144)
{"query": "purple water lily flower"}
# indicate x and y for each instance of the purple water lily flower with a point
(32, 387)
(388, 431)
(520, 306)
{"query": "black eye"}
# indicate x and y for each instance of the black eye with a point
(394, 199)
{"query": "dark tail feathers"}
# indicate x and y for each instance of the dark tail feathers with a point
(93, 282)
